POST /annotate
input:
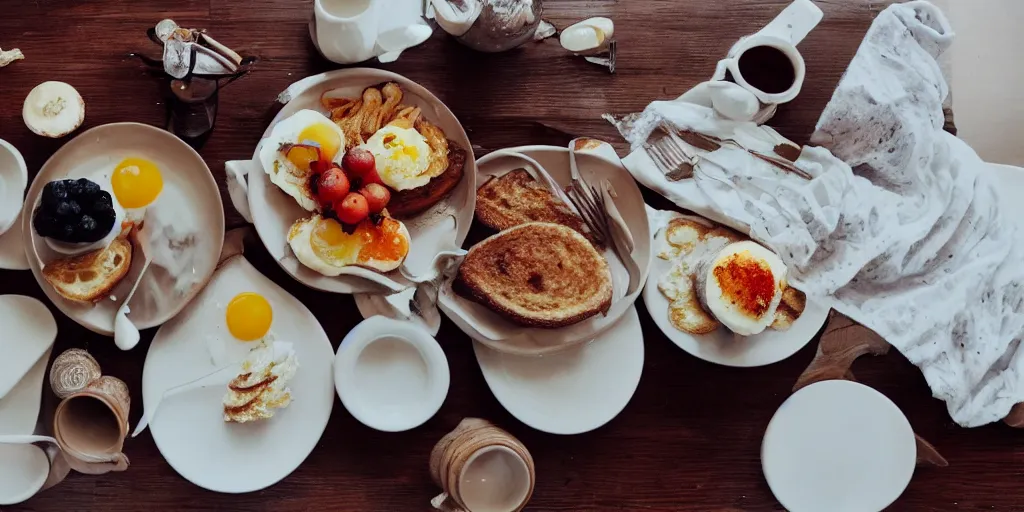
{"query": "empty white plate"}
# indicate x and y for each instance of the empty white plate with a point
(29, 331)
(839, 446)
(23, 468)
(573, 391)
(13, 180)
(391, 375)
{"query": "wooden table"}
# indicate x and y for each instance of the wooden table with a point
(690, 438)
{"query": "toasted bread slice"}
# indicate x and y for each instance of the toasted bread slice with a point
(538, 275)
(91, 276)
(407, 203)
(517, 198)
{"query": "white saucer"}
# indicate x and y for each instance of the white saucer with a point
(23, 468)
(29, 332)
(573, 391)
(12, 248)
(187, 180)
(839, 446)
(13, 180)
(723, 346)
(391, 375)
(189, 427)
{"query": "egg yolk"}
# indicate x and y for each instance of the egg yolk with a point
(369, 242)
(249, 316)
(747, 282)
(136, 182)
(326, 137)
(407, 152)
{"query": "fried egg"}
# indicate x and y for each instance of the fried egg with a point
(136, 183)
(741, 286)
(402, 156)
(289, 166)
(248, 316)
(322, 245)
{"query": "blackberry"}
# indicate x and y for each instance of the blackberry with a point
(87, 226)
(102, 203)
(88, 187)
(63, 209)
(45, 224)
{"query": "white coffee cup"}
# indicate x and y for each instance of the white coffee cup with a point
(346, 30)
(781, 35)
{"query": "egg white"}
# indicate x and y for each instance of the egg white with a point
(301, 243)
(397, 169)
(282, 172)
(730, 315)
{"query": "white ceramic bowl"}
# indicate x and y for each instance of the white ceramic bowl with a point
(391, 375)
(839, 446)
(13, 179)
(274, 212)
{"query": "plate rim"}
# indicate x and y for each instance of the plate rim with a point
(26, 222)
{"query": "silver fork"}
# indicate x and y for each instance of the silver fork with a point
(588, 200)
(670, 155)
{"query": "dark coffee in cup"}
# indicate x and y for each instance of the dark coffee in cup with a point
(767, 68)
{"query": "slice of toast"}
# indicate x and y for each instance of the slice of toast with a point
(517, 198)
(91, 276)
(538, 275)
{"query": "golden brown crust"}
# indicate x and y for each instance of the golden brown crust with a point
(537, 275)
(90, 277)
(517, 198)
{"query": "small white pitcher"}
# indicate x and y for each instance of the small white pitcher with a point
(346, 30)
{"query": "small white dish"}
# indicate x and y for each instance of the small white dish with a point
(12, 248)
(13, 180)
(840, 446)
(189, 427)
(573, 391)
(723, 346)
(391, 375)
(190, 196)
(498, 333)
(23, 468)
(29, 332)
(273, 212)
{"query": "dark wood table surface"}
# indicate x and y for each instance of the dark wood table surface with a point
(689, 440)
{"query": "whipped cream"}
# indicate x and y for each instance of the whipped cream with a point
(262, 385)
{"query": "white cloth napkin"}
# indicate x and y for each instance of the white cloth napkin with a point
(902, 231)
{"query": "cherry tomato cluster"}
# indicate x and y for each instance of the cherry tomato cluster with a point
(354, 190)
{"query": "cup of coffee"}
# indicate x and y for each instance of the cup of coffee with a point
(767, 63)
(481, 468)
(91, 422)
(345, 31)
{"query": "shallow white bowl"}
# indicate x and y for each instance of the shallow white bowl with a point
(13, 180)
(839, 446)
(391, 375)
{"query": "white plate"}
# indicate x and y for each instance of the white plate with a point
(723, 346)
(29, 332)
(23, 468)
(13, 179)
(573, 391)
(839, 446)
(490, 328)
(189, 427)
(185, 175)
(274, 212)
(391, 375)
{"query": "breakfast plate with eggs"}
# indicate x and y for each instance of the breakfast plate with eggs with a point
(253, 427)
(723, 297)
(84, 211)
(361, 181)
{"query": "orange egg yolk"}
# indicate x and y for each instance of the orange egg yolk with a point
(391, 141)
(368, 242)
(324, 136)
(136, 182)
(249, 316)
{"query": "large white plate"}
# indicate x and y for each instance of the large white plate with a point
(23, 468)
(186, 177)
(490, 328)
(575, 390)
(189, 427)
(723, 346)
(274, 212)
(839, 446)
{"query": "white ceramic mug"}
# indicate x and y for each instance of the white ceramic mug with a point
(782, 34)
(346, 30)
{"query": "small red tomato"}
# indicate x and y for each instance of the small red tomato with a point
(372, 177)
(353, 209)
(332, 186)
(359, 161)
(377, 196)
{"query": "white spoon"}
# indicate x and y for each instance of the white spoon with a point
(222, 376)
(126, 335)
